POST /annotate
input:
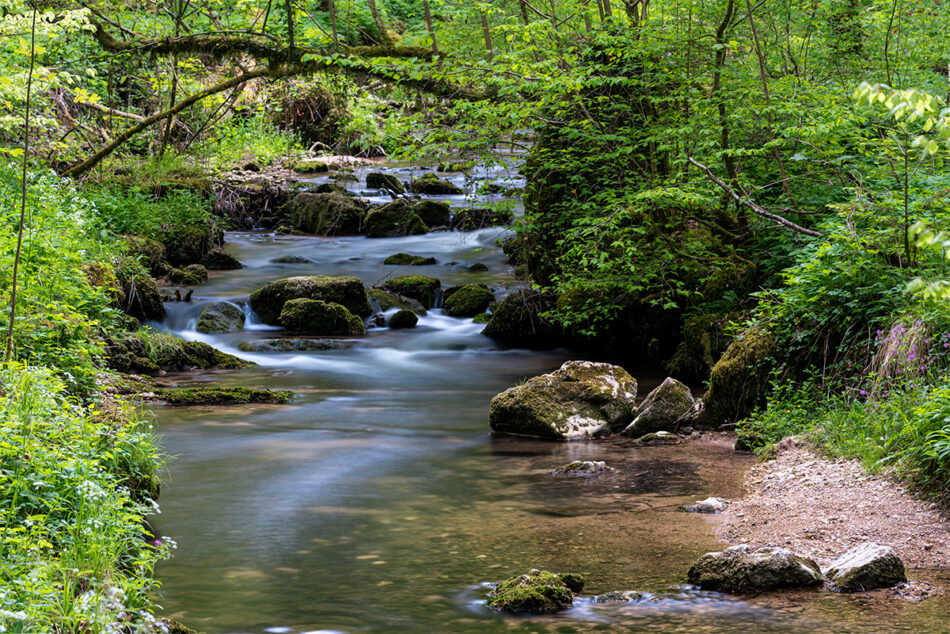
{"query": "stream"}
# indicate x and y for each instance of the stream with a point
(378, 501)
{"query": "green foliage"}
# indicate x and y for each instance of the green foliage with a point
(240, 140)
(124, 210)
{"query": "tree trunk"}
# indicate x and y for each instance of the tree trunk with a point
(487, 32)
(380, 25)
(428, 18)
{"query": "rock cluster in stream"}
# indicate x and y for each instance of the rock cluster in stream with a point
(536, 592)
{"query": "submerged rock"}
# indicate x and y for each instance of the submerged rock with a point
(406, 259)
(378, 180)
(579, 400)
(740, 569)
(536, 592)
(431, 185)
(268, 302)
(292, 259)
(403, 319)
(289, 344)
(385, 300)
(421, 288)
(185, 396)
(661, 409)
(658, 438)
(516, 320)
(433, 213)
(618, 596)
(316, 317)
(709, 505)
(394, 220)
(478, 267)
(329, 214)
(865, 567)
(220, 317)
(468, 301)
(220, 260)
(582, 467)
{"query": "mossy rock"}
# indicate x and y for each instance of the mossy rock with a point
(471, 219)
(403, 319)
(661, 409)
(173, 354)
(316, 317)
(191, 396)
(174, 627)
(451, 167)
(431, 185)
(477, 267)
(740, 569)
(378, 180)
(288, 344)
(394, 220)
(516, 320)
(151, 253)
(292, 259)
(311, 166)
(385, 300)
(220, 260)
(187, 244)
(433, 213)
(268, 302)
(581, 399)
(704, 341)
(137, 292)
(421, 288)
(405, 259)
(327, 214)
(191, 275)
(536, 592)
(468, 301)
(483, 318)
(220, 317)
(738, 381)
(130, 355)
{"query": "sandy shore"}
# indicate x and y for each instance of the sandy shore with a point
(822, 508)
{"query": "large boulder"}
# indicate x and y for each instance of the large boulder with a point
(290, 344)
(740, 569)
(329, 214)
(385, 300)
(579, 400)
(268, 302)
(220, 260)
(191, 275)
(315, 317)
(739, 379)
(661, 409)
(431, 185)
(468, 301)
(865, 567)
(517, 321)
(479, 218)
(407, 259)
(536, 592)
(421, 288)
(220, 317)
(137, 292)
(378, 180)
(187, 244)
(151, 253)
(403, 319)
(394, 220)
(433, 213)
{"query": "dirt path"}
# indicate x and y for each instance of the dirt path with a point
(822, 508)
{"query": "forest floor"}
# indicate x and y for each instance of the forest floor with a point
(822, 508)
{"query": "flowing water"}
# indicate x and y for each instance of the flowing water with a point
(378, 501)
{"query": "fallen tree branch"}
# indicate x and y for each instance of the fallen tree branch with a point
(748, 204)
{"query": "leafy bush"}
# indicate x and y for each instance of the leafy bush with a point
(138, 211)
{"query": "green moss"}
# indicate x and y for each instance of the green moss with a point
(394, 220)
(151, 253)
(517, 320)
(739, 379)
(483, 318)
(468, 301)
(477, 267)
(403, 319)
(471, 219)
(268, 302)
(433, 213)
(311, 166)
(418, 287)
(191, 275)
(378, 180)
(220, 260)
(385, 300)
(431, 185)
(328, 214)
(220, 317)
(536, 592)
(186, 244)
(221, 396)
(288, 344)
(316, 317)
(137, 292)
(405, 259)
(174, 627)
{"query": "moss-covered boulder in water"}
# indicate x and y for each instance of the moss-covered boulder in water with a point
(315, 317)
(581, 399)
(661, 409)
(290, 344)
(406, 259)
(468, 301)
(187, 244)
(741, 569)
(403, 319)
(421, 288)
(220, 317)
(471, 219)
(433, 213)
(484, 318)
(191, 275)
(311, 166)
(536, 592)
(384, 300)
(220, 260)
(739, 379)
(330, 214)
(431, 185)
(394, 220)
(148, 352)
(517, 321)
(186, 396)
(378, 180)
(268, 302)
